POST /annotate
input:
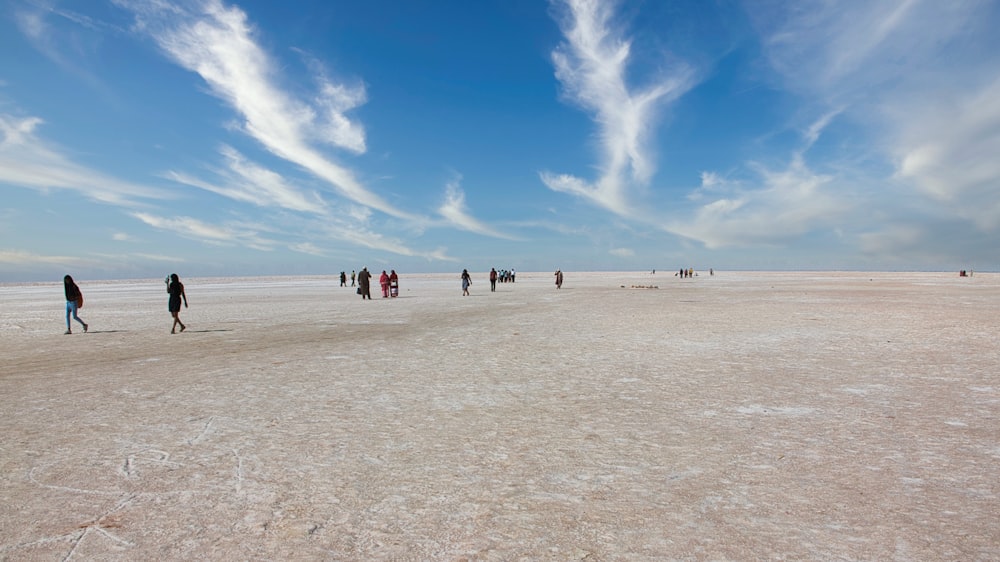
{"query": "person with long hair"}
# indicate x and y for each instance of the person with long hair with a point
(74, 298)
(466, 281)
(176, 291)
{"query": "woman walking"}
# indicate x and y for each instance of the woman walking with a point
(176, 291)
(466, 281)
(74, 300)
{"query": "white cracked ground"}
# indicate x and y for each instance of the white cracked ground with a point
(741, 416)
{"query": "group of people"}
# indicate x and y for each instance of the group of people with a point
(503, 276)
(74, 302)
(389, 282)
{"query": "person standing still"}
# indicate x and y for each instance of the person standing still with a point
(383, 282)
(493, 279)
(176, 291)
(466, 281)
(364, 284)
(559, 279)
(74, 299)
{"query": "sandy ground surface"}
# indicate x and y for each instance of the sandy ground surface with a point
(745, 416)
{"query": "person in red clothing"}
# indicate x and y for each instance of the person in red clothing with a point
(383, 280)
(493, 279)
(393, 284)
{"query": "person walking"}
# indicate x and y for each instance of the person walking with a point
(343, 279)
(559, 279)
(364, 284)
(383, 281)
(466, 281)
(74, 300)
(352, 277)
(176, 291)
(493, 279)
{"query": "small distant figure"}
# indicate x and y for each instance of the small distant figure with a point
(343, 279)
(466, 281)
(393, 284)
(559, 279)
(176, 291)
(364, 284)
(513, 275)
(383, 281)
(493, 279)
(74, 300)
(654, 272)
(711, 272)
(352, 277)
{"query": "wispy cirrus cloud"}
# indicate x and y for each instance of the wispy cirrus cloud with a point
(591, 65)
(783, 206)
(246, 181)
(219, 44)
(28, 161)
(455, 212)
(192, 228)
(918, 77)
(18, 257)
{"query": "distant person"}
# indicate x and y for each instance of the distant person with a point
(383, 281)
(74, 300)
(493, 279)
(559, 279)
(352, 277)
(393, 284)
(343, 279)
(176, 291)
(466, 281)
(364, 284)
(711, 272)
(513, 275)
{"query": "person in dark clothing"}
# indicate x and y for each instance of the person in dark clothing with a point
(493, 279)
(364, 283)
(176, 291)
(343, 279)
(74, 300)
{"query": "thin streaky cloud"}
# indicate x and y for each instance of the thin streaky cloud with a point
(248, 182)
(219, 44)
(591, 65)
(189, 227)
(455, 212)
(18, 257)
(27, 161)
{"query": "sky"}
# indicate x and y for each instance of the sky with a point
(215, 138)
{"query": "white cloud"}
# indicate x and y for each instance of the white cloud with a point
(788, 204)
(218, 43)
(17, 257)
(195, 229)
(591, 65)
(27, 161)
(622, 252)
(951, 154)
(454, 210)
(249, 182)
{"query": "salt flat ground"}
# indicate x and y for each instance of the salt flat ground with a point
(745, 416)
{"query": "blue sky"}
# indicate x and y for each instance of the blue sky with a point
(140, 137)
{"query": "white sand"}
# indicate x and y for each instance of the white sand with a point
(826, 416)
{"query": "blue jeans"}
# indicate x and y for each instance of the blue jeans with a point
(71, 310)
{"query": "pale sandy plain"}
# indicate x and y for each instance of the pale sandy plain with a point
(745, 416)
